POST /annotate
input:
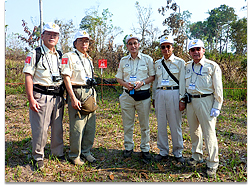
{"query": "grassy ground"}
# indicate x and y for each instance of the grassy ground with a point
(111, 166)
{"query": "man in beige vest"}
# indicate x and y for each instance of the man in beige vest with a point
(167, 93)
(43, 83)
(204, 84)
(77, 71)
(135, 74)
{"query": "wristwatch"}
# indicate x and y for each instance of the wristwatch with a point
(182, 101)
(143, 81)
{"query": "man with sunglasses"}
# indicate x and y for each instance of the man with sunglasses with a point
(204, 84)
(43, 84)
(135, 73)
(167, 94)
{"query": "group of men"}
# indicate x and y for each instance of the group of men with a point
(195, 85)
(175, 82)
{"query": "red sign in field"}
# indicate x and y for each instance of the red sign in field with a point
(102, 63)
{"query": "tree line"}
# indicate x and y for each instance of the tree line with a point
(224, 35)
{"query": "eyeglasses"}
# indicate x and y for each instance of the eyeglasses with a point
(166, 46)
(197, 49)
(51, 34)
(83, 40)
(130, 43)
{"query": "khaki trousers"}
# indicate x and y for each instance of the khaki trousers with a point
(201, 123)
(50, 114)
(128, 107)
(167, 111)
(82, 130)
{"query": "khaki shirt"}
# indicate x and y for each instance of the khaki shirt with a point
(48, 63)
(207, 78)
(142, 67)
(177, 67)
(78, 71)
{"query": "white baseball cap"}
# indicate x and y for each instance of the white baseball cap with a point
(195, 43)
(166, 39)
(81, 34)
(52, 27)
(131, 36)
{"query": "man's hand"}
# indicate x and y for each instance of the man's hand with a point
(182, 105)
(76, 104)
(34, 105)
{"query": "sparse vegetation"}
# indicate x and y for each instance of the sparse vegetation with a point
(111, 166)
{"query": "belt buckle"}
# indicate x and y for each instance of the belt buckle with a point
(51, 88)
(164, 88)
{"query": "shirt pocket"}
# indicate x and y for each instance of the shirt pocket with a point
(142, 72)
(205, 78)
(175, 72)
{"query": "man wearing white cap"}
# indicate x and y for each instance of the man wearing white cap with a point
(204, 84)
(168, 90)
(135, 73)
(77, 71)
(43, 83)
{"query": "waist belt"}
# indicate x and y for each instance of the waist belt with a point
(168, 88)
(81, 86)
(48, 90)
(200, 95)
(127, 91)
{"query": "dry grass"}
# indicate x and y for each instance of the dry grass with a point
(108, 146)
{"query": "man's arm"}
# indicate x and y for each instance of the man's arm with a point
(29, 91)
(76, 104)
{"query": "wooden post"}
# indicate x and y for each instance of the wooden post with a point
(41, 20)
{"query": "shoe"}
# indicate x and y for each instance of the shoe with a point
(159, 157)
(127, 153)
(193, 162)
(39, 165)
(211, 172)
(78, 161)
(146, 156)
(61, 158)
(180, 159)
(90, 159)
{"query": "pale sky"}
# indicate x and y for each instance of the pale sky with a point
(124, 12)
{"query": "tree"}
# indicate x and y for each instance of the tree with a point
(33, 35)
(219, 25)
(144, 21)
(100, 28)
(66, 30)
(238, 35)
(177, 26)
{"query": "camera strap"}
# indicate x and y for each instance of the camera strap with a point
(92, 72)
(170, 74)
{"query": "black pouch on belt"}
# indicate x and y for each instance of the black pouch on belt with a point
(140, 95)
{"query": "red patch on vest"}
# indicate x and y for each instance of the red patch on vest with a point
(64, 60)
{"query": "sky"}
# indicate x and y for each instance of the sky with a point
(124, 12)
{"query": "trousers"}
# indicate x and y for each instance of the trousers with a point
(167, 111)
(128, 107)
(82, 130)
(50, 114)
(201, 123)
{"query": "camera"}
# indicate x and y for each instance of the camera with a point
(91, 82)
(56, 78)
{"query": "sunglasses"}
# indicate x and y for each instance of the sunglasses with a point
(167, 46)
(197, 49)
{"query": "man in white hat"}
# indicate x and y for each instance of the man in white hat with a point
(135, 73)
(77, 71)
(43, 83)
(204, 84)
(168, 90)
